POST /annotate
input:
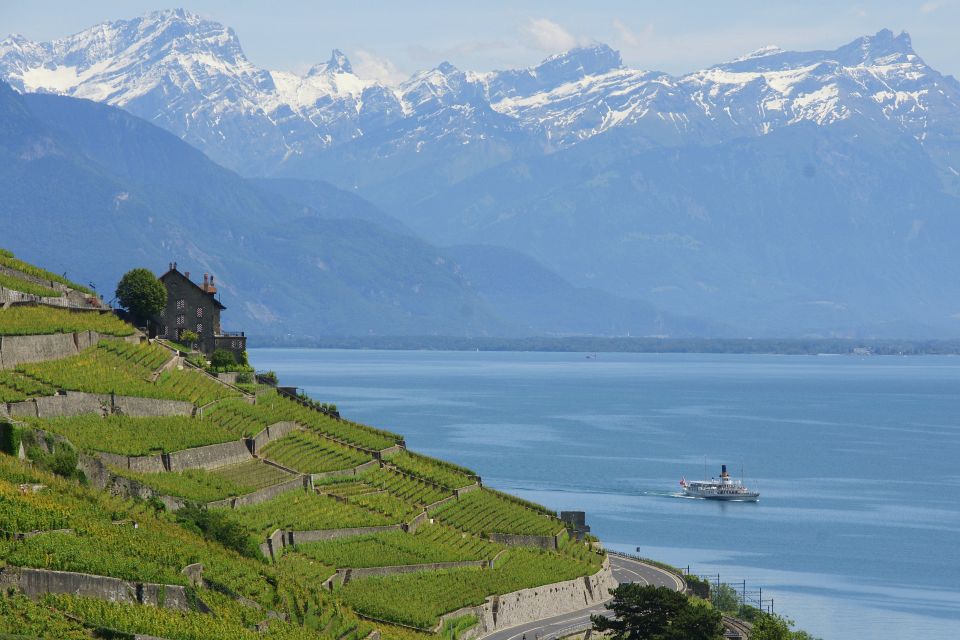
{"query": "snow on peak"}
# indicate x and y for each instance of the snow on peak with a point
(769, 50)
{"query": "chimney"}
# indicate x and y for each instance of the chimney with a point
(186, 274)
(174, 266)
(206, 282)
(211, 289)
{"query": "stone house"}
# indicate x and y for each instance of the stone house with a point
(196, 307)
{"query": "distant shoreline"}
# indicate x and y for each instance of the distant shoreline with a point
(766, 346)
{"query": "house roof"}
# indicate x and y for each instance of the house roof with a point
(173, 272)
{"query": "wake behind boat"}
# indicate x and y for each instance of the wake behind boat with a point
(719, 489)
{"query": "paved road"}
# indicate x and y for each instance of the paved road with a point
(624, 570)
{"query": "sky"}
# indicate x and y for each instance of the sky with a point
(389, 40)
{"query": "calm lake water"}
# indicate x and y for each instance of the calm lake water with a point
(857, 534)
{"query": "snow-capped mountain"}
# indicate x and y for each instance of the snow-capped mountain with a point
(190, 76)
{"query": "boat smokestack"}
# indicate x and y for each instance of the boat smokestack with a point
(723, 471)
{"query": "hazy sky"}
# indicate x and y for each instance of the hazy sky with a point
(392, 39)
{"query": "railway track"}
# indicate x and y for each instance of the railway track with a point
(736, 628)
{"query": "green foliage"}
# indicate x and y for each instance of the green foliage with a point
(454, 627)
(443, 473)
(20, 615)
(123, 368)
(25, 286)
(419, 599)
(25, 320)
(7, 259)
(252, 475)
(223, 359)
(431, 543)
(300, 511)
(189, 337)
(61, 460)
(10, 437)
(214, 525)
(725, 598)
(645, 612)
(311, 453)
(407, 489)
(486, 512)
(140, 293)
(134, 436)
(15, 387)
(197, 485)
(773, 627)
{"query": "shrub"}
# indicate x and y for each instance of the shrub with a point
(219, 527)
(140, 293)
(223, 358)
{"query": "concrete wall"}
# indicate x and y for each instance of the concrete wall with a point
(514, 540)
(209, 457)
(37, 582)
(102, 478)
(439, 503)
(139, 464)
(151, 407)
(421, 518)
(303, 537)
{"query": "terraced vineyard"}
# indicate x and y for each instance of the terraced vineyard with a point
(431, 543)
(485, 512)
(197, 485)
(419, 599)
(404, 487)
(7, 259)
(309, 453)
(34, 320)
(74, 527)
(125, 369)
(443, 473)
(301, 511)
(8, 281)
(15, 387)
(134, 436)
(252, 475)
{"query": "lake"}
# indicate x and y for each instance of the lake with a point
(857, 461)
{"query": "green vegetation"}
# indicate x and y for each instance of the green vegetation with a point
(141, 294)
(125, 369)
(453, 628)
(197, 485)
(419, 599)
(7, 259)
(15, 387)
(487, 512)
(252, 475)
(657, 613)
(390, 506)
(300, 511)
(134, 436)
(443, 473)
(27, 619)
(26, 286)
(431, 543)
(246, 419)
(408, 489)
(310, 453)
(23, 320)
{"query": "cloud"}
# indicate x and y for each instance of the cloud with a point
(548, 36)
(370, 66)
(629, 37)
(930, 7)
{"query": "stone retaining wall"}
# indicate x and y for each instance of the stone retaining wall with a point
(102, 478)
(139, 464)
(343, 576)
(273, 546)
(16, 350)
(262, 495)
(75, 403)
(212, 456)
(439, 503)
(514, 540)
(37, 582)
(547, 601)
(273, 432)
(355, 471)
(468, 489)
(420, 519)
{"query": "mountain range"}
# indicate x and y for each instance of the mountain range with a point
(781, 193)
